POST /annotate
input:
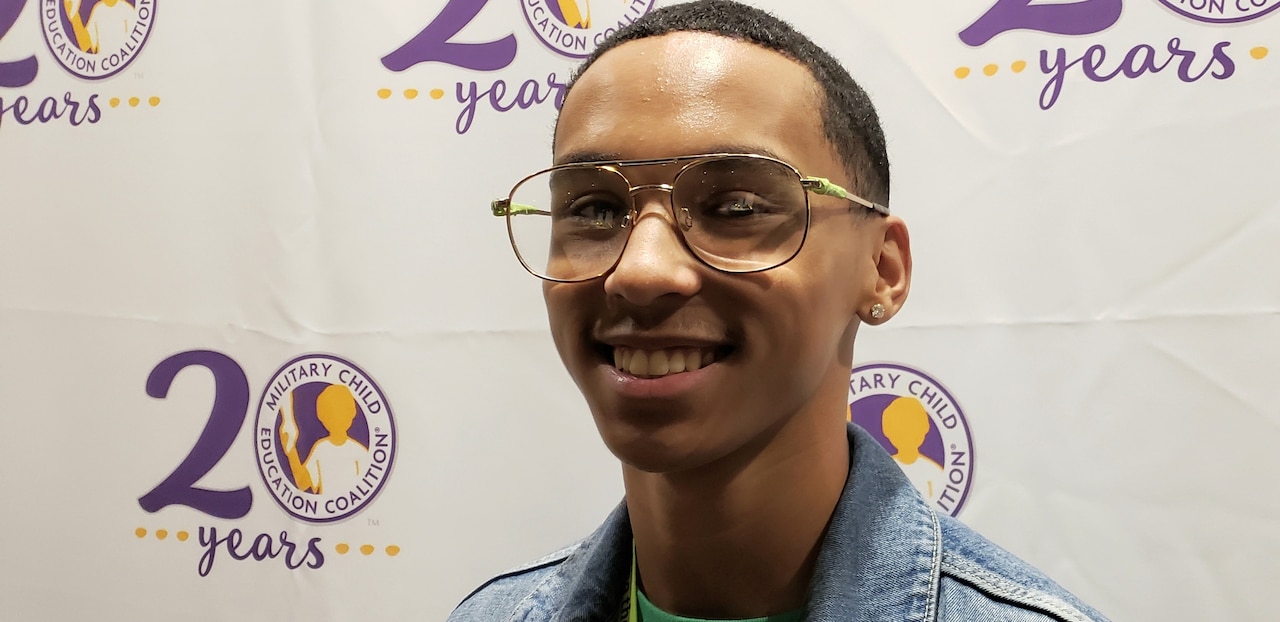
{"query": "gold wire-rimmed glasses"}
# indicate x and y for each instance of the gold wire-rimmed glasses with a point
(736, 212)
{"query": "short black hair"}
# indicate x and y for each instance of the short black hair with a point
(849, 118)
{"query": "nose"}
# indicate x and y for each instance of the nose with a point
(655, 263)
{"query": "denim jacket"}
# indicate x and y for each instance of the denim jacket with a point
(887, 555)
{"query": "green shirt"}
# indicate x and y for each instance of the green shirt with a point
(651, 613)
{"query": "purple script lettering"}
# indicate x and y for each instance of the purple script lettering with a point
(50, 109)
(262, 548)
(1139, 60)
(530, 92)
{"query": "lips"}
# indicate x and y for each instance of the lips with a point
(657, 363)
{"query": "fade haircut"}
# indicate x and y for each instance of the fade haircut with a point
(849, 119)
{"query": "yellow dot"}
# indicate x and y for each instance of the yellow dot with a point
(114, 101)
(962, 72)
(154, 101)
(342, 548)
(436, 93)
(393, 550)
(384, 93)
(991, 69)
(367, 549)
(410, 93)
(133, 102)
(182, 536)
(161, 534)
(1259, 52)
(141, 532)
(1018, 66)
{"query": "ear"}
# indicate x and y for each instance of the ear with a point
(893, 270)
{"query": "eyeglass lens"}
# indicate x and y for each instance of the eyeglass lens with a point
(737, 214)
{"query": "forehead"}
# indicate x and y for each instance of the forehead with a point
(688, 93)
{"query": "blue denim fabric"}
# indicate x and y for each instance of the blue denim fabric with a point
(887, 555)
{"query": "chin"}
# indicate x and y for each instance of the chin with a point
(673, 447)
(656, 459)
(643, 448)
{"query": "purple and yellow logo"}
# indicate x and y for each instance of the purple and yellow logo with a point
(1191, 60)
(920, 424)
(572, 28)
(89, 39)
(325, 438)
(96, 39)
(569, 27)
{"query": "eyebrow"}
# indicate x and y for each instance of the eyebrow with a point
(579, 157)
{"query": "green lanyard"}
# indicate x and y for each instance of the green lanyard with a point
(633, 611)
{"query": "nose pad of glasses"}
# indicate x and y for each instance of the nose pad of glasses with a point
(686, 219)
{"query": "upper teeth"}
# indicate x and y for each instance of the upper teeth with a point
(658, 363)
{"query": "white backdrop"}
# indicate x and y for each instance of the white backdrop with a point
(1096, 285)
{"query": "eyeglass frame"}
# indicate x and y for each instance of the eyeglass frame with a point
(503, 208)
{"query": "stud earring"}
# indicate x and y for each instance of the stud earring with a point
(877, 311)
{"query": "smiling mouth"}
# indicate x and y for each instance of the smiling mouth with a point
(665, 362)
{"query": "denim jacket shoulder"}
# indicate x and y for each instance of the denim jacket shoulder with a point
(887, 555)
(977, 575)
(583, 582)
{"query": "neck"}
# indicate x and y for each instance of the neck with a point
(739, 538)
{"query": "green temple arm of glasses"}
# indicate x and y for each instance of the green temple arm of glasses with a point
(502, 207)
(822, 185)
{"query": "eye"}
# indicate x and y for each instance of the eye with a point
(596, 212)
(738, 206)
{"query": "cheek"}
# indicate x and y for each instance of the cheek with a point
(807, 314)
(569, 309)
(843, 273)
(560, 316)
(824, 284)
(792, 324)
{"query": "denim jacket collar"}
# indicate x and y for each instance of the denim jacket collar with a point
(881, 556)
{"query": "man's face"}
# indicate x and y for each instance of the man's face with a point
(777, 343)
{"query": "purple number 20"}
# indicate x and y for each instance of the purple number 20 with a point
(14, 74)
(1084, 17)
(230, 407)
(433, 44)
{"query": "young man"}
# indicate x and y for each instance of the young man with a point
(704, 282)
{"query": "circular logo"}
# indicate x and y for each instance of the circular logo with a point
(1222, 11)
(920, 424)
(325, 438)
(95, 39)
(569, 27)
